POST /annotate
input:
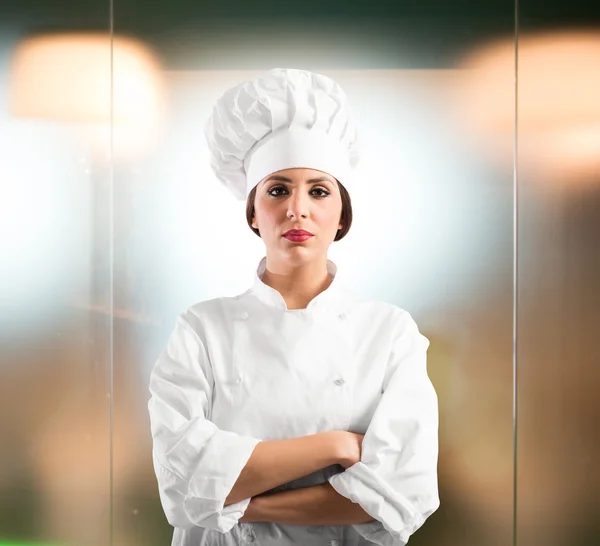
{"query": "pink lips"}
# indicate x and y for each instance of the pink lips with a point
(297, 235)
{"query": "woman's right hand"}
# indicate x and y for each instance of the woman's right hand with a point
(349, 447)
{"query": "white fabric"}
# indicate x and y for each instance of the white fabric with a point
(238, 370)
(247, 130)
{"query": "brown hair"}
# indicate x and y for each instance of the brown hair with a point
(345, 218)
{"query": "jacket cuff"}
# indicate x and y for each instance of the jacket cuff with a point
(221, 519)
(226, 456)
(396, 517)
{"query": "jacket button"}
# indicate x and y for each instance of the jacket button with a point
(244, 315)
(342, 316)
(339, 381)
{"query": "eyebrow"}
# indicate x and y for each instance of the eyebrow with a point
(280, 178)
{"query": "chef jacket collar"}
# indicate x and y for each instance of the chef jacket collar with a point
(329, 300)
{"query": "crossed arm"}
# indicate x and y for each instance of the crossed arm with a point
(273, 463)
(317, 505)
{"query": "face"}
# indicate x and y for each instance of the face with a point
(297, 199)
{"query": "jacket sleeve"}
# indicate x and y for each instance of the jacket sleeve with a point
(396, 479)
(196, 463)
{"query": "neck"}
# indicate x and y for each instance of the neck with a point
(297, 284)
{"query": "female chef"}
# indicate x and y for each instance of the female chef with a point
(260, 401)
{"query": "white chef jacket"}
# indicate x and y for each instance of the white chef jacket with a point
(238, 370)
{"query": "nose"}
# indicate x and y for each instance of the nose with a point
(298, 204)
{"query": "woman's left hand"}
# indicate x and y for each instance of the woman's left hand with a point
(251, 515)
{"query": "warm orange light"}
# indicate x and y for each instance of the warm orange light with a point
(77, 77)
(68, 77)
(558, 100)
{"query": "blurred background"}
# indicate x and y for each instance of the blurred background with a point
(479, 213)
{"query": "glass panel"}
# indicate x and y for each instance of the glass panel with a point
(55, 278)
(559, 268)
(432, 230)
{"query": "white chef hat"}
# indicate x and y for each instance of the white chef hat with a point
(282, 119)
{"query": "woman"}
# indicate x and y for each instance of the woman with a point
(260, 401)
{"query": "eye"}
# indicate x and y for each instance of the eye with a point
(324, 192)
(270, 192)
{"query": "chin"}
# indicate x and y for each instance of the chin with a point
(301, 255)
